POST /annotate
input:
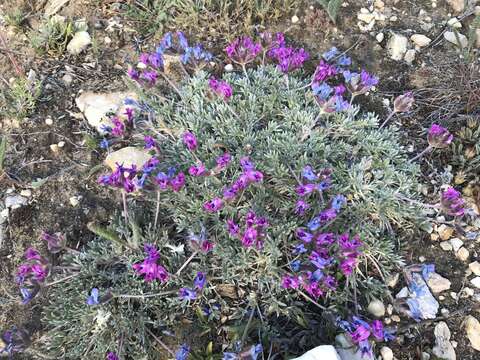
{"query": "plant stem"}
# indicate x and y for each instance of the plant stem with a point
(144, 296)
(171, 83)
(125, 209)
(245, 72)
(311, 300)
(428, 149)
(386, 120)
(161, 343)
(62, 280)
(157, 211)
(401, 197)
(186, 263)
(232, 111)
(245, 332)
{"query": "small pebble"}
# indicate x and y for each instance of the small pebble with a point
(74, 200)
(387, 321)
(444, 312)
(54, 148)
(422, 259)
(387, 353)
(454, 295)
(468, 291)
(390, 309)
(394, 18)
(107, 40)
(67, 79)
(475, 267)
(396, 318)
(228, 68)
(61, 144)
(26, 192)
(463, 254)
(441, 298)
(49, 121)
(295, 19)
(380, 37)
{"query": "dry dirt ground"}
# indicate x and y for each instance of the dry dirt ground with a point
(70, 171)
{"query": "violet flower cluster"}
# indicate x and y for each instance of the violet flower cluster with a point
(112, 356)
(321, 255)
(253, 233)
(243, 50)
(152, 64)
(55, 242)
(14, 341)
(183, 352)
(329, 87)
(452, 202)
(198, 285)
(253, 353)
(149, 268)
(439, 137)
(221, 88)
(31, 274)
(249, 176)
(361, 332)
(287, 58)
(200, 242)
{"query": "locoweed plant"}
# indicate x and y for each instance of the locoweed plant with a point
(266, 194)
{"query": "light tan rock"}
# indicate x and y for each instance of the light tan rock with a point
(457, 5)
(79, 42)
(53, 6)
(438, 283)
(127, 157)
(475, 267)
(463, 254)
(397, 46)
(95, 107)
(450, 36)
(445, 232)
(420, 40)
(472, 328)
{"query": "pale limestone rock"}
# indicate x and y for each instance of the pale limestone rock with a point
(472, 327)
(79, 42)
(127, 157)
(450, 36)
(397, 46)
(438, 283)
(420, 40)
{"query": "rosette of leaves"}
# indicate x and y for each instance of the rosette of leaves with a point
(279, 126)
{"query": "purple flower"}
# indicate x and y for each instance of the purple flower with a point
(233, 228)
(190, 140)
(200, 281)
(303, 235)
(347, 266)
(149, 142)
(162, 180)
(439, 137)
(187, 294)
(182, 353)
(255, 350)
(290, 282)
(338, 202)
(133, 74)
(322, 91)
(197, 170)
(32, 254)
(249, 237)
(246, 164)
(344, 61)
(341, 104)
(368, 80)
(452, 202)
(221, 88)
(330, 282)
(223, 161)
(305, 189)
(365, 348)
(360, 334)
(150, 76)
(295, 265)
(324, 239)
(104, 144)
(55, 242)
(300, 207)
(243, 50)
(112, 356)
(28, 293)
(319, 261)
(156, 60)
(143, 58)
(377, 330)
(324, 71)
(254, 176)
(177, 182)
(213, 205)
(288, 58)
(151, 252)
(118, 127)
(340, 89)
(403, 103)
(299, 249)
(149, 268)
(93, 298)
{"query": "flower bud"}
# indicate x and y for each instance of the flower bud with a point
(439, 137)
(403, 103)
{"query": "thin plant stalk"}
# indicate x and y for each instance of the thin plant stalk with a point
(186, 263)
(61, 280)
(157, 210)
(172, 84)
(428, 149)
(162, 344)
(387, 119)
(144, 296)
(125, 207)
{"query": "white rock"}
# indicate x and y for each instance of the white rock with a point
(457, 5)
(74, 201)
(410, 56)
(107, 40)
(476, 282)
(403, 293)
(445, 232)
(79, 42)
(477, 35)
(379, 4)
(477, 10)
(450, 36)
(67, 79)
(49, 121)
(54, 148)
(472, 327)
(15, 201)
(27, 193)
(295, 19)
(53, 6)
(379, 37)
(454, 22)
(366, 17)
(456, 244)
(422, 259)
(228, 68)
(425, 356)
(443, 348)
(127, 157)
(392, 280)
(348, 351)
(438, 283)
(446, 246)
(394, 18)
(3, 216)
(475, 267)
(397, 46)
(468, 291)
(420, 40)
(323, 352)
(95, 107)
(376, 308)
(387, 353)
(61, 144)
(463, 254)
